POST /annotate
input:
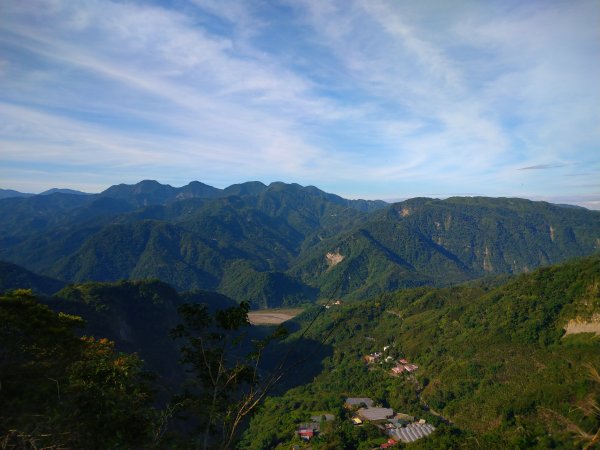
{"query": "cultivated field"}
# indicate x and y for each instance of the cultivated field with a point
(273, 316)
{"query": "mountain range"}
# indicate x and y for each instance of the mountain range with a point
(284, 244)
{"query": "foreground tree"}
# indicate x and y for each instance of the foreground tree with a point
(58, 390)
(226, 385)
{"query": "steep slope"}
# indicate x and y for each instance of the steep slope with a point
(198, 236)
(493, 362)
(138, 316)
(16, 277)
(192, 242)
(449, 241)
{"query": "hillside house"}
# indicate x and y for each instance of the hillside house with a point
(307, 431)
(388, 444)
(410, 367)
(398, 369)
(373, 357)
(375, 414)
(404, 366)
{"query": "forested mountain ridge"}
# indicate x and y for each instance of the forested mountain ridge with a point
(239, 239)
(449, 241)
(13, 277)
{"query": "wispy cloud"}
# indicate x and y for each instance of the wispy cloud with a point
(543, 167)
(386, 97)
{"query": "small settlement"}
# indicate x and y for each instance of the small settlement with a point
(399, 427)
(402, 365)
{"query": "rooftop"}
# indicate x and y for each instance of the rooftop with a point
(375, 413)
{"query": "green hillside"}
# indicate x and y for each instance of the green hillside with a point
(449, 241)
(494, 363)
(314, 243)
(496, 367)
(16, 277)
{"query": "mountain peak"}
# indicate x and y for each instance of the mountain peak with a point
(63, 191)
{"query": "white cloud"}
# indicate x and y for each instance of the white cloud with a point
(389, 92)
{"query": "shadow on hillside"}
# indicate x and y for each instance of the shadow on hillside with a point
(299, 362)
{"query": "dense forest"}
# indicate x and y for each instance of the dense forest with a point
(163, 369)
(284, 244)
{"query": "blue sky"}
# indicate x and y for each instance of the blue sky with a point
(364, 98)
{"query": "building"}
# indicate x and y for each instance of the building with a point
(374, 414)
(373, 357)
(410, 367)
(412, 432)
(398, 369)
(307, 431)
(388, 444)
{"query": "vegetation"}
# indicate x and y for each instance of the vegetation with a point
(14, 277)
(62, 391)
(495, 367)
(268, 245)
(492, 361)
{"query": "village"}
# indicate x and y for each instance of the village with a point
(397, 426)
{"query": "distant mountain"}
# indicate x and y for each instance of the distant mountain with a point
(285, 243)
(9, 193)
(424, 241)
(63, 191)
(16, 277)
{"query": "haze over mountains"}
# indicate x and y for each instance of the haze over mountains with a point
(284, 244)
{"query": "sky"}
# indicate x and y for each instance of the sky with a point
(363, 98)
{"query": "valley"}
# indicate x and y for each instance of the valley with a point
(248, 317)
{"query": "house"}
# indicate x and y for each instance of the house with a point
(369, 359)
(352, 402)
(356, 420)
(389, 443)
(307, 431)
(404, 365)
(375, 414)
(410, 367)
(398, 369)
(372, 357)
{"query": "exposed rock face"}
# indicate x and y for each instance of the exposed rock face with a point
(334, 258)
(579, 325)
(487, 263)
(404, 212)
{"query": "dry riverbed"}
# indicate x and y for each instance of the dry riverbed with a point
(273, 316)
